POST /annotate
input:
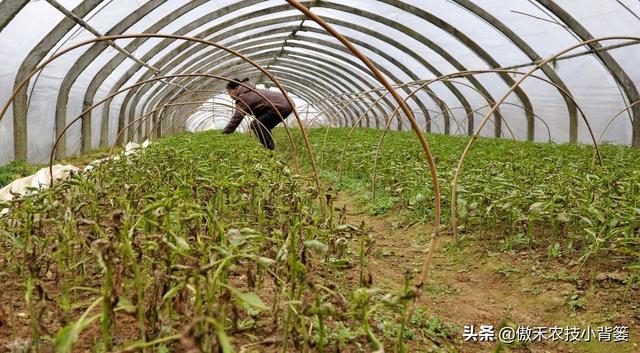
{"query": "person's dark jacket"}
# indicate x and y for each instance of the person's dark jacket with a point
(251, 103)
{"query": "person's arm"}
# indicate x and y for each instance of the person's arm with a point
(237, 118)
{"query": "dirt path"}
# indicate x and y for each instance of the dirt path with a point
(470, 285)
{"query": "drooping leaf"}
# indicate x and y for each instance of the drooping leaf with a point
(318, 247)
(182, 244)
(68, 335)
(172, 292)
(125, 304)
(265, 261)
(253, 300)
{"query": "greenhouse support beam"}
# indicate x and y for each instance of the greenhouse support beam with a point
(211, 62)
(83, 62)
(300, 85)
(113, 64)
(9, 10)
(345, 61)
(322, 87)
(190, 27)
(274, 9)
(307, 143)
(610, 63)
(211, 65)
(439, 102)
(35, 56)
(319, 66)
(422, 39)
(95, 32)
(413, 124)
(283, 47)
(532, 54)
(480, 52)
(579, 54)
(320, 48)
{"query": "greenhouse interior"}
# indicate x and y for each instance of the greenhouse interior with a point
(446, 176)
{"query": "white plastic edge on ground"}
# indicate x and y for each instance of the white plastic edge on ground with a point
(42, 178)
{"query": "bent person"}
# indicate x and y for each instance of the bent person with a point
(250, 101)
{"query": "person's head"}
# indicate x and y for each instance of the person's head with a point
(232, 87)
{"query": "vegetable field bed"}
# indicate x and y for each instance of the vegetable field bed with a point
(545, 234)
(200, 243)
(519, 195)
(209, 243)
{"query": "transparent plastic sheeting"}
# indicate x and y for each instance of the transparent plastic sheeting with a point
(373, 25)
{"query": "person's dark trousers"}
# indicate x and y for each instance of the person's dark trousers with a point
(263, 125)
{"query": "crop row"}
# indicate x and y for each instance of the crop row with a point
(525, 195)
(204, 242)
